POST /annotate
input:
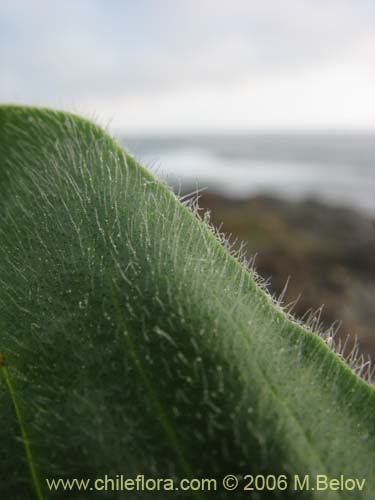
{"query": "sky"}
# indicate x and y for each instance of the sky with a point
(177, 66)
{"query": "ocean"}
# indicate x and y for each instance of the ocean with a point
(336, 168)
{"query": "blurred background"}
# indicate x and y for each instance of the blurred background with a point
(266, 108)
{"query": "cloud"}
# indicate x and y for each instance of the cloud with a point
(212, 58)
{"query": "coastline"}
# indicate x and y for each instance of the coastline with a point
(326, 254)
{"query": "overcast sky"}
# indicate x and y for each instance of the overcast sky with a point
(191, 65)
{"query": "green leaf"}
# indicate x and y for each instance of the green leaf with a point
(136, 344)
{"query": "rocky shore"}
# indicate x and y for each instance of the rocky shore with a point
(326, 253)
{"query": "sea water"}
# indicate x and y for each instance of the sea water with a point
(337, 168)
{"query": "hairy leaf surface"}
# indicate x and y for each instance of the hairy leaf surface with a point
(137, 344)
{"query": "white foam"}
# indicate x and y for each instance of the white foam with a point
(333, 183)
